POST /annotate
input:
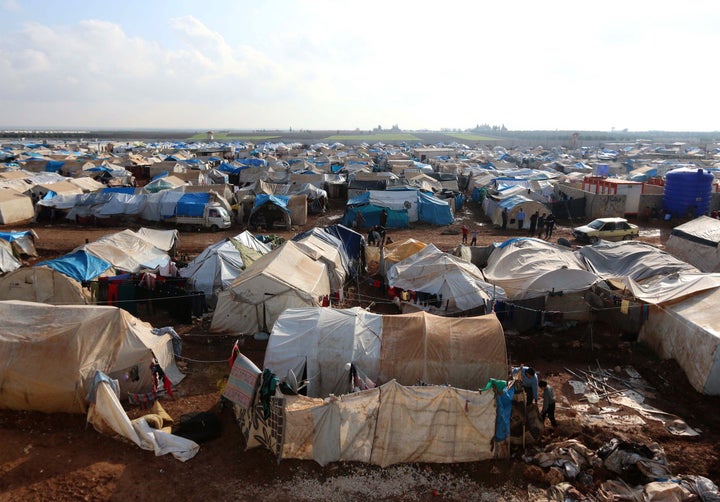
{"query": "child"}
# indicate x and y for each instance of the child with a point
(548, 408)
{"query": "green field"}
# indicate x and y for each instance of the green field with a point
(470, 136)
(227, 136)
(375, 137)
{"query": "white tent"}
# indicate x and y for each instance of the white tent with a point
(463, 352)
(518, 263)
(127, 251)
(458, 283)
(688, 331)
(220, 264)
(697, 242)
(449, 424)
(284, 278)
(633, 259)
(15, 207)
(49, 354)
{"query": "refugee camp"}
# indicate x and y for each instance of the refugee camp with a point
(390, 251)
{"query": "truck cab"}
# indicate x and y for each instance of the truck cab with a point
(217, 217)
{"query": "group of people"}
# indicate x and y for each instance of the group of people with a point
(531, 385)
(465, 232)
(542, 225)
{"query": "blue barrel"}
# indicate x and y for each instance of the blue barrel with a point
(687, 192)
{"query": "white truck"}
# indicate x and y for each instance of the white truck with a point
(214, 217)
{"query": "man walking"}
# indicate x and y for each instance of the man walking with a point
(549, 225)
(504, 218)
(533, 223)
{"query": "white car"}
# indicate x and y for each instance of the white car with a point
(609, 229)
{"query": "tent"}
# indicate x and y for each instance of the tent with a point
(697, 242)
(462, 352)
(282, 279)
(687, 330)
(41, 284)
(516, 264)
(8, 261)
(49, 354)
(221, 263)
(447, 355)
(127, 251)
(634, 259)
(80, 265)
(15, 207)
(513, 204)
(458, 284)
(23, 243)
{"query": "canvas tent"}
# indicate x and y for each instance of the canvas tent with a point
(8, 261)
(220, 264)
(49, 354)
(41, 284)
(513, 204)
(282, 279)
(518, 263)
(463, 352)
(458, 284)
(687, 330)
(450, 424)
(15, 207)
(633, 259)
(697, 242)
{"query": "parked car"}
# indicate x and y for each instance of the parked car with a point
(609, 229)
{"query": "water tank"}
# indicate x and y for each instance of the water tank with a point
(687, 192)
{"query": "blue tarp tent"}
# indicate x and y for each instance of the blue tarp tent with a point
(125, 190)
(79, 265)
(433, 210)
(54, 166)
(371, 216)
(192, 204)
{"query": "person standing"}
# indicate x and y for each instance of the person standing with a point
(504, 218)
(533, 223)
(541, 226)
(521, 218)
(529, 382)
(383, 218)
(473, 241)
(548, 407)
(465, 230)
(549, 225)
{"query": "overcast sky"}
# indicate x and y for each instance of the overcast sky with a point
(274, 64)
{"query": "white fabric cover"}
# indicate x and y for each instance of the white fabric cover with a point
(391, 424)
(127, 251)
(697, 242)
(107, 414)
(634, 259)
(689, 332)
(322, 341)
(49, 354)
(435, 272)
(285, 278)
(517, 263)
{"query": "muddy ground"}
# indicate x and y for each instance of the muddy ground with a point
(58, 457)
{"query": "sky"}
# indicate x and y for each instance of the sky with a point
(325, 65)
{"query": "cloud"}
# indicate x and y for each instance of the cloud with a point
(10, 5)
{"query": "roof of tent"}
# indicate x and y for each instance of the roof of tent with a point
(516, 263)
(697, 242)
(433, 271)
(41, 284)
(687, 332)
(221, 263)
(634, 259)
(462, 352)
(284, 278)
(79, 265)
(127, 251)
(82, 339)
